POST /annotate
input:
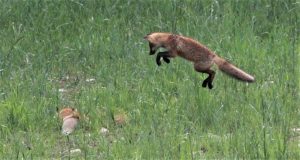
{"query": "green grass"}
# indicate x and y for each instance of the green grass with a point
(46, 46)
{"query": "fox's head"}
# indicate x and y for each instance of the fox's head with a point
(156, 40)
(152, 43)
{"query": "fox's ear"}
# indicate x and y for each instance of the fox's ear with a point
(147, 36)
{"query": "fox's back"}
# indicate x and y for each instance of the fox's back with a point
(185, 47)
(192, 50)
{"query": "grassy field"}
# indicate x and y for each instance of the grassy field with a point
(91, 55)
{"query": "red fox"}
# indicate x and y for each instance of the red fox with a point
(189, 49)
(70, 118)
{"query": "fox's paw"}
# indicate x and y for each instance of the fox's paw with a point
(158, 60)
(158, 63)
(151, 52)
(167, 60)
(204, 84)
(207, 83)
(210, 86)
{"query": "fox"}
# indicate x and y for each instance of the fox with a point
(192, 50)
(70, 117)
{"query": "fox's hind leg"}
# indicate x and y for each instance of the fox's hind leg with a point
(208, 81)
(211, 74)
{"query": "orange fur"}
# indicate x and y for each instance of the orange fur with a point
(68, 112)
(190, 49)
(70, 118)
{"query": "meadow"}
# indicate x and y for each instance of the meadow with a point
(91, 55)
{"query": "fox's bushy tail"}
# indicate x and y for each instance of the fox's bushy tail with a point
(232, 70)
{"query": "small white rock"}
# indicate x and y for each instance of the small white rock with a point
(296, 129)
(75, 151)
(104, 131)
(90, 80)
(61, 90)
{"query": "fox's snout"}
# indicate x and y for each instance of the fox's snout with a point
(147, 36)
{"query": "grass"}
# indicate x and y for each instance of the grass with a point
(50, 52)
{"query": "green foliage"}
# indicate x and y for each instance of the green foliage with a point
(91, 55)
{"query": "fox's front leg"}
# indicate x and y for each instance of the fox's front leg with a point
(152, 48)
(165, 55)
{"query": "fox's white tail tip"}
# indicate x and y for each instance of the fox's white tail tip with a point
(250, 79)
